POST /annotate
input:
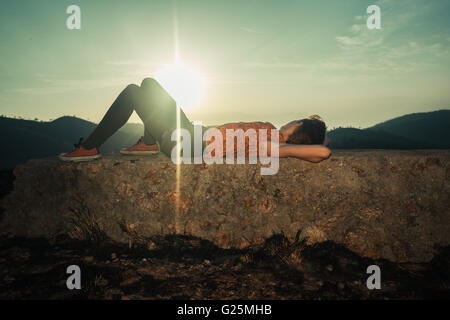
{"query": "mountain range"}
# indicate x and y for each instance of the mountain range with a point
(427, 130)
(26, 139)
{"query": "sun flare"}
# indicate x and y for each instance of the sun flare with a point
(183, 83)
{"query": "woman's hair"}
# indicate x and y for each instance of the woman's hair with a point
(312, 131)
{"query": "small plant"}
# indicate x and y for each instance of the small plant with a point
(85, 223)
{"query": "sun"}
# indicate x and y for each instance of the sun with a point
(184, 84)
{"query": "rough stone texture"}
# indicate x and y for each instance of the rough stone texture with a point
(380, 204)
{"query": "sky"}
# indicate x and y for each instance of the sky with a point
(266, 60)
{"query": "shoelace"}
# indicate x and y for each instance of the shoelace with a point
(77, 145)
(141, 139)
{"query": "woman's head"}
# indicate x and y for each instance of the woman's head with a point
(311, 130)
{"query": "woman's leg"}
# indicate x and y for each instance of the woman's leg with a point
(117, 115)
(158, 112)
(155, 107)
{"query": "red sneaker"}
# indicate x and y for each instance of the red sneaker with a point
(80, 154)
(141, 149)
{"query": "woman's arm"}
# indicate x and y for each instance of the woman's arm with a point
(312, 153)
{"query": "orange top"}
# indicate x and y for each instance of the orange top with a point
(253, 149)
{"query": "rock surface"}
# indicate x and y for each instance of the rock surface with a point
(380, 204)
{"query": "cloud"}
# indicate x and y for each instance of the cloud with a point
(120, 73)
(389, 49)
(348, 41)
(135, 63)
(47, 84)
(359, 50)
(357, 28)
(273, 65)
(249, 30)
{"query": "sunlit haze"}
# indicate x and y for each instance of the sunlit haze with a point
(241, 60)
(185, 84)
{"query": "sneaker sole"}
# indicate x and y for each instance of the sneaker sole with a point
(138, 153)
(79, 159)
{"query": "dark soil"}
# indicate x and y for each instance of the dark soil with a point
(188, 268)
(180, 267)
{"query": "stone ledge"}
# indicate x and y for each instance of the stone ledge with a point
(380, 204)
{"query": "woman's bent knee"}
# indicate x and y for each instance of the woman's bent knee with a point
(148, 82)
(133, 86)
(131, 89)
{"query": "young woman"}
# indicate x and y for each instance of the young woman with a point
(304, 139)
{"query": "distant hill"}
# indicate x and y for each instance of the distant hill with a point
(27, 139)
(428, 127)
(430, 130)
(352, 138)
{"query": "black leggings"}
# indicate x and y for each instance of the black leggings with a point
(154, 106)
